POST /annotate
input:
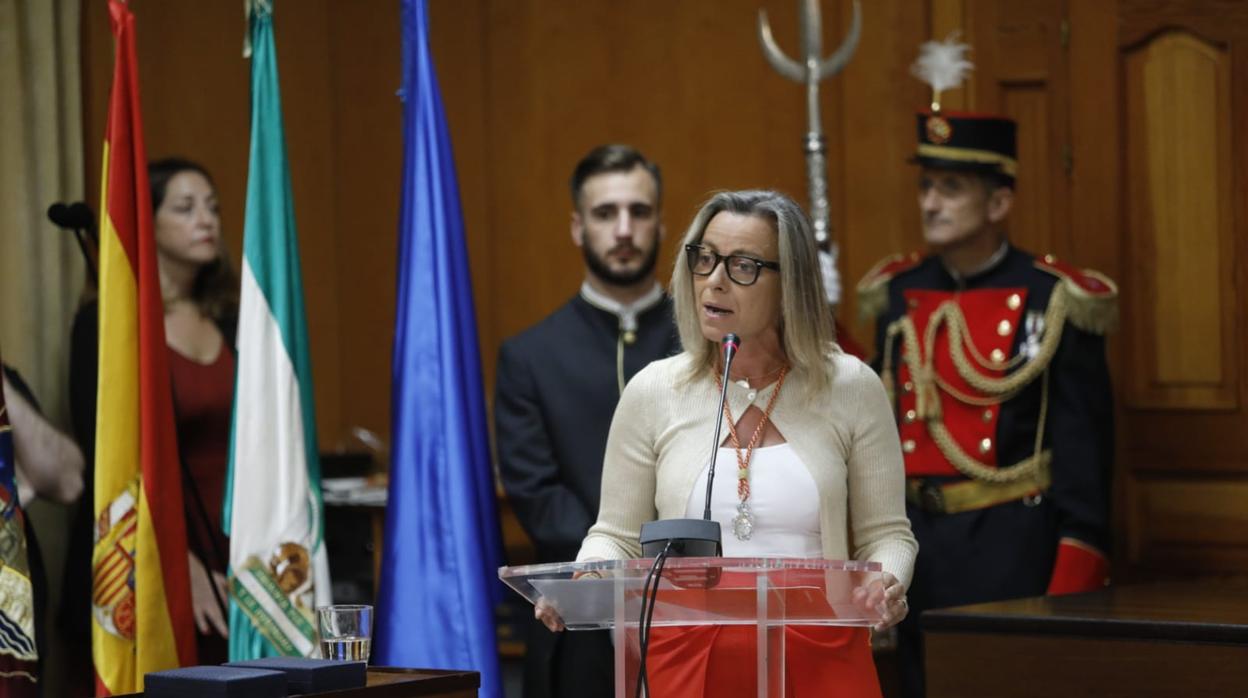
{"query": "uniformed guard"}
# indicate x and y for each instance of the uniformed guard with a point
(996, 362)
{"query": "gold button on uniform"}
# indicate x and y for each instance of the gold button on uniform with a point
(908, 445)
(913, 302)
(1013, 301)
(997, 356)
(1004, 327)
(987, 415)
(985, 445)
(907, 387)
(1049, 259)
(911, 415)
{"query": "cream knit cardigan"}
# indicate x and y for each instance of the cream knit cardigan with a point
(847, 436)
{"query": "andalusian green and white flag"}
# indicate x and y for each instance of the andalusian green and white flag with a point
(273, 511)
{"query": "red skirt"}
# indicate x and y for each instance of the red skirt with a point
(698, 661)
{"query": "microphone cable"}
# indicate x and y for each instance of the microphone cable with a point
(649, 594)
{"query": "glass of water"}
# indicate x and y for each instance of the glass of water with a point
(346, 632)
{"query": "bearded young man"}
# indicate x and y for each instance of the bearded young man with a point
(558, 383)
(996, 361)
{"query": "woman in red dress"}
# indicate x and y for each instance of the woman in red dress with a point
(200, 290)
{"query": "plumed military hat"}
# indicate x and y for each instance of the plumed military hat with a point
(948, 140)
(968, 142)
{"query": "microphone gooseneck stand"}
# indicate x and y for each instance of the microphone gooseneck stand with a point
(682, 537)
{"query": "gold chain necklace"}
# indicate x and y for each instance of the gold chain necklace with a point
(743, 522)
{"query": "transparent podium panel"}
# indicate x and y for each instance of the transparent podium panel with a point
(766, 594)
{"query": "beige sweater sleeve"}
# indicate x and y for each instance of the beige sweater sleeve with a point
(879, 527)
(628, 477)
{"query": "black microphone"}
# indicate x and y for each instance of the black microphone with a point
(729, 344)
(694, 537)
(59, 214)
(75, 216)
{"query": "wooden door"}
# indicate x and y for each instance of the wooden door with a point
(1019, 48)
(1020, 57)
(1160, 105)
(1183, 154)
(1133, 150)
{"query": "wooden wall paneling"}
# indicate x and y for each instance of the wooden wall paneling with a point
(685, 82)
(1097, 237)
(310, 111)
(1179, 169)
(533, 261)
(364, 76)
(1189, 441)
(1185, 467)
(1140, 19)
(1185, 524)
(1034, 222)
(1093, 80)
(879, 100)
(1041, 665)
(1020, 58)
(947, 18)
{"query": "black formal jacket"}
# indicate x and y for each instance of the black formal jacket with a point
(557, 387)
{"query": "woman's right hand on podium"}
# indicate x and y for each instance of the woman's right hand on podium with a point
(546, 613)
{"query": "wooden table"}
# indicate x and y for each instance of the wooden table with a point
(1158, 640)
(393, 682)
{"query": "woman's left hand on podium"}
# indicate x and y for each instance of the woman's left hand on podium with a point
(887, 596)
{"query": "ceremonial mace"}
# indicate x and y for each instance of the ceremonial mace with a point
(814, 69)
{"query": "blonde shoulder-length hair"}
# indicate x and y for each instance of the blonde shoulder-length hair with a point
(806, 330)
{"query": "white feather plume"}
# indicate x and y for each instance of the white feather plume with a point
(942, 64)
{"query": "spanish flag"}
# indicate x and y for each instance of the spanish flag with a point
(141, 604)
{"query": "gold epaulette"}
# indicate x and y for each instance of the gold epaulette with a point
(873, 289)
(1091, 297)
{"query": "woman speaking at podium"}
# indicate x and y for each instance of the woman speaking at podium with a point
(811, 465)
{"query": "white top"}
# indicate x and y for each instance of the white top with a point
(845, 436)
(784, 502)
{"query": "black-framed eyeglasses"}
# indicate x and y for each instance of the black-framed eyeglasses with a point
(742, 270)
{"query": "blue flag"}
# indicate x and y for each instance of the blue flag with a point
(439, 572)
